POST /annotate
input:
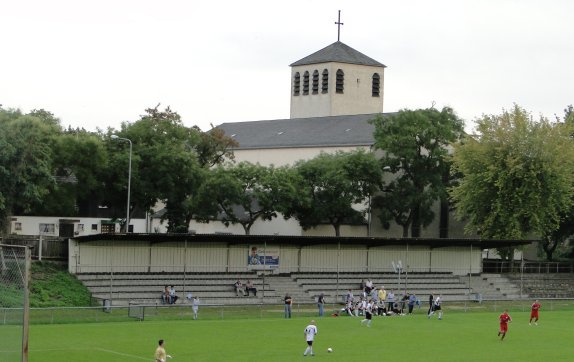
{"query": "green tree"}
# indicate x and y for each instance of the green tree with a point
(331, 187)
(169, 163)
(240, 194)
(164, 165)
(80, 163)
(214, 147)
(552, 240)
(26, 172)
(517, 176)
(416, 145)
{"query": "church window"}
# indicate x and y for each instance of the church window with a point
(340, 81)
(296, 84)
(306, 83)
(316, 82)
(376, 85)
(325, 81)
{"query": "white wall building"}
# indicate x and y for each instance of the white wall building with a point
(69, 226)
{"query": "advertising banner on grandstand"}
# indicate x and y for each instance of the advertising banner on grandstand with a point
(262, 258)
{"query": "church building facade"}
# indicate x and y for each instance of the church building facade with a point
(335, 92)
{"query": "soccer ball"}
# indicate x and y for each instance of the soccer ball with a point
(329, 349)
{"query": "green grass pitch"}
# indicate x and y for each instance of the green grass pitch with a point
(458, 336)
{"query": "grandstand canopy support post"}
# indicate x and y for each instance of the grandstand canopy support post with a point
(184, 265)
(111, 273)
(521, 273)
(227, 258)
(470, 270)
(406, 270)
(149, 258)
(338, 258)
(264, 267)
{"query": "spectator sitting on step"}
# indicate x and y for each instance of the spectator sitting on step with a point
(368, 287)
(404, 301)
(382, 308)
(172, 297)
(349, 308)
(165, 295)
(239, 288)
(396, 309)
(250, 288)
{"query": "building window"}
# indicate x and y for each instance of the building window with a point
(47, 229)
(325, 81)
(95, 227)
(376, 85)
(305, 83)
(296, 84)
(316, 82)
(18, 226)
(108, 228)
(340, 81)
(80, 228)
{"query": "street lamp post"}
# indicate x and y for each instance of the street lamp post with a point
(129, 179)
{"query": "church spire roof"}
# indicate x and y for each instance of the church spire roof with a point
(338, 52)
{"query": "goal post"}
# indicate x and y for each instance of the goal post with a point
(15, 277)
(136, 311)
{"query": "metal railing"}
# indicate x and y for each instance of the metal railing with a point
(158, 312)
(528, 267)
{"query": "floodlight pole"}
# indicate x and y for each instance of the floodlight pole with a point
(129, 180)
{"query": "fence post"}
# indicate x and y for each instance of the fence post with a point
(40, 242)
(26, 310)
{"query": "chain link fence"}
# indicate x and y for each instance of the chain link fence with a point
(159, 312)
(14, 277)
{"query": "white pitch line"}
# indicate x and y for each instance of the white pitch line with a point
(124, 354)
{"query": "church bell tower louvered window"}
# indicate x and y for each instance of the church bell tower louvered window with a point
(316, 82)
(340, 81)
(376, 85)
(325, 81)
(296, 84)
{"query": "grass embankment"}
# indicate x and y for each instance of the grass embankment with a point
(52, 286)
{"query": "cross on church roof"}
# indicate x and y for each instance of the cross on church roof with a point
(338, 22)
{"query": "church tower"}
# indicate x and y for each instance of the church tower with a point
(336, 80)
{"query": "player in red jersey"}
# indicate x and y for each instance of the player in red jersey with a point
(504, 319)
(534, 312)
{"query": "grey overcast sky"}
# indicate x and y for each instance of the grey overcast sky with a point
(95, 64)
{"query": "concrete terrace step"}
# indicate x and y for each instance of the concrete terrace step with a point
(163, 276)
(302, 287)
(153, 289)
(157, 297)
(179, 284)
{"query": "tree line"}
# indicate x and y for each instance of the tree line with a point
(512, 178)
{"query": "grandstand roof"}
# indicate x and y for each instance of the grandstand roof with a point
(302, 240)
